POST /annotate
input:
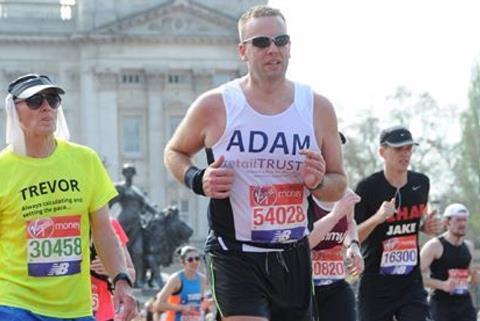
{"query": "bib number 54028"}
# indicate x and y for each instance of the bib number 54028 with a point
(278, 215)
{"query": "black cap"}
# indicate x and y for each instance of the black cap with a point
(396, 136)
(28, 85)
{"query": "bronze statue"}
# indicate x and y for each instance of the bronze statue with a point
(163, 235)
(136, 211)
(153, 235)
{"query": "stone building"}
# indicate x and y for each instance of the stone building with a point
(130, 68)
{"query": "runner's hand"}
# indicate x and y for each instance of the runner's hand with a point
(313, 168)
(97, 266)
(218, 180)
(448, 285)
(432, 224)
(386, 210)
(346, 204)
(353, 254)
(124, 302)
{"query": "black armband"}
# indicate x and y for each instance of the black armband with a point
(193, 179)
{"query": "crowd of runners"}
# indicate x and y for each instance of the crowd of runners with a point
(285, 228)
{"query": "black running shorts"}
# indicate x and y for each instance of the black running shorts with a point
(274, 285)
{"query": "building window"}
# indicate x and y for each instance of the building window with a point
(173, 79)
(132, 126)
(66, 9)
(132, 77)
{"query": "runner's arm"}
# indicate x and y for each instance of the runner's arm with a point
(111, 255)
(106, 242)
(474, 273)
(366, 228)
(161, 303)
(352, 231)
(343, 207)
(353, 252)
(201, 127)
(192, 134)
(334, 181)
(429, 252)
(130, 266)
(386, 210)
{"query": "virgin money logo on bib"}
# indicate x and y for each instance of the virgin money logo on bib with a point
(41, 228)
(390, 244)
(263, 195)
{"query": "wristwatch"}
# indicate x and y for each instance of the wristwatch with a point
(354, 242)
(122, 276)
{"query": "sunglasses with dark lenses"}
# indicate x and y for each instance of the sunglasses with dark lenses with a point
(192, 258)
(36, 101)
(265, 42)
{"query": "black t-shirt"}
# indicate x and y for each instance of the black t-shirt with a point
(392, 249)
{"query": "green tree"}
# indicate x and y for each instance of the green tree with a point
(430, 125)
(467, 167)
(361, 152)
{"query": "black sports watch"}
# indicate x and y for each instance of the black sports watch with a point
(122, 276)
(354, 242)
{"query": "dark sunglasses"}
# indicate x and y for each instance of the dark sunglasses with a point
(265, 42)
(36, 101)
(192, 258)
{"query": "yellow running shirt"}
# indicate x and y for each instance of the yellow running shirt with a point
(44, 228)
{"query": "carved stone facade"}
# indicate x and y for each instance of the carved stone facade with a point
(130, 68)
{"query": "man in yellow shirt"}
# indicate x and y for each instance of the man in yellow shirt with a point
(52, 194)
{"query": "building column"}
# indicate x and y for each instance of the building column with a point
(156, 139)
(88, 110)
(107, 111)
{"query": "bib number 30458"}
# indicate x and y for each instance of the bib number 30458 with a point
(54, 246)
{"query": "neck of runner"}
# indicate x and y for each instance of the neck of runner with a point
(40, 147)
(395, 178)
(190, 274)
(453, 239)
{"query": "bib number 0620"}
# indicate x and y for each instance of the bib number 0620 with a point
(278, 215)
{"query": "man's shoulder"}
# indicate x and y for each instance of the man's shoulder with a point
(75, 146)
(210, 100)
(372, 179)
(78, 151)
(322, 103)
(5, 153)
(433, 247)
(417, 177)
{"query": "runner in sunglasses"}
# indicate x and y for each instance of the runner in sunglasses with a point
(52, 194)
(182, 295)
(271, 142)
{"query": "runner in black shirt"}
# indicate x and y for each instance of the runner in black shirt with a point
(394, 201)
(448, 257)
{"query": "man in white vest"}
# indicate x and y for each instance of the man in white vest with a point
(270, 143)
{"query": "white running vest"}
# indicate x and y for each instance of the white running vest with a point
(268, 197)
